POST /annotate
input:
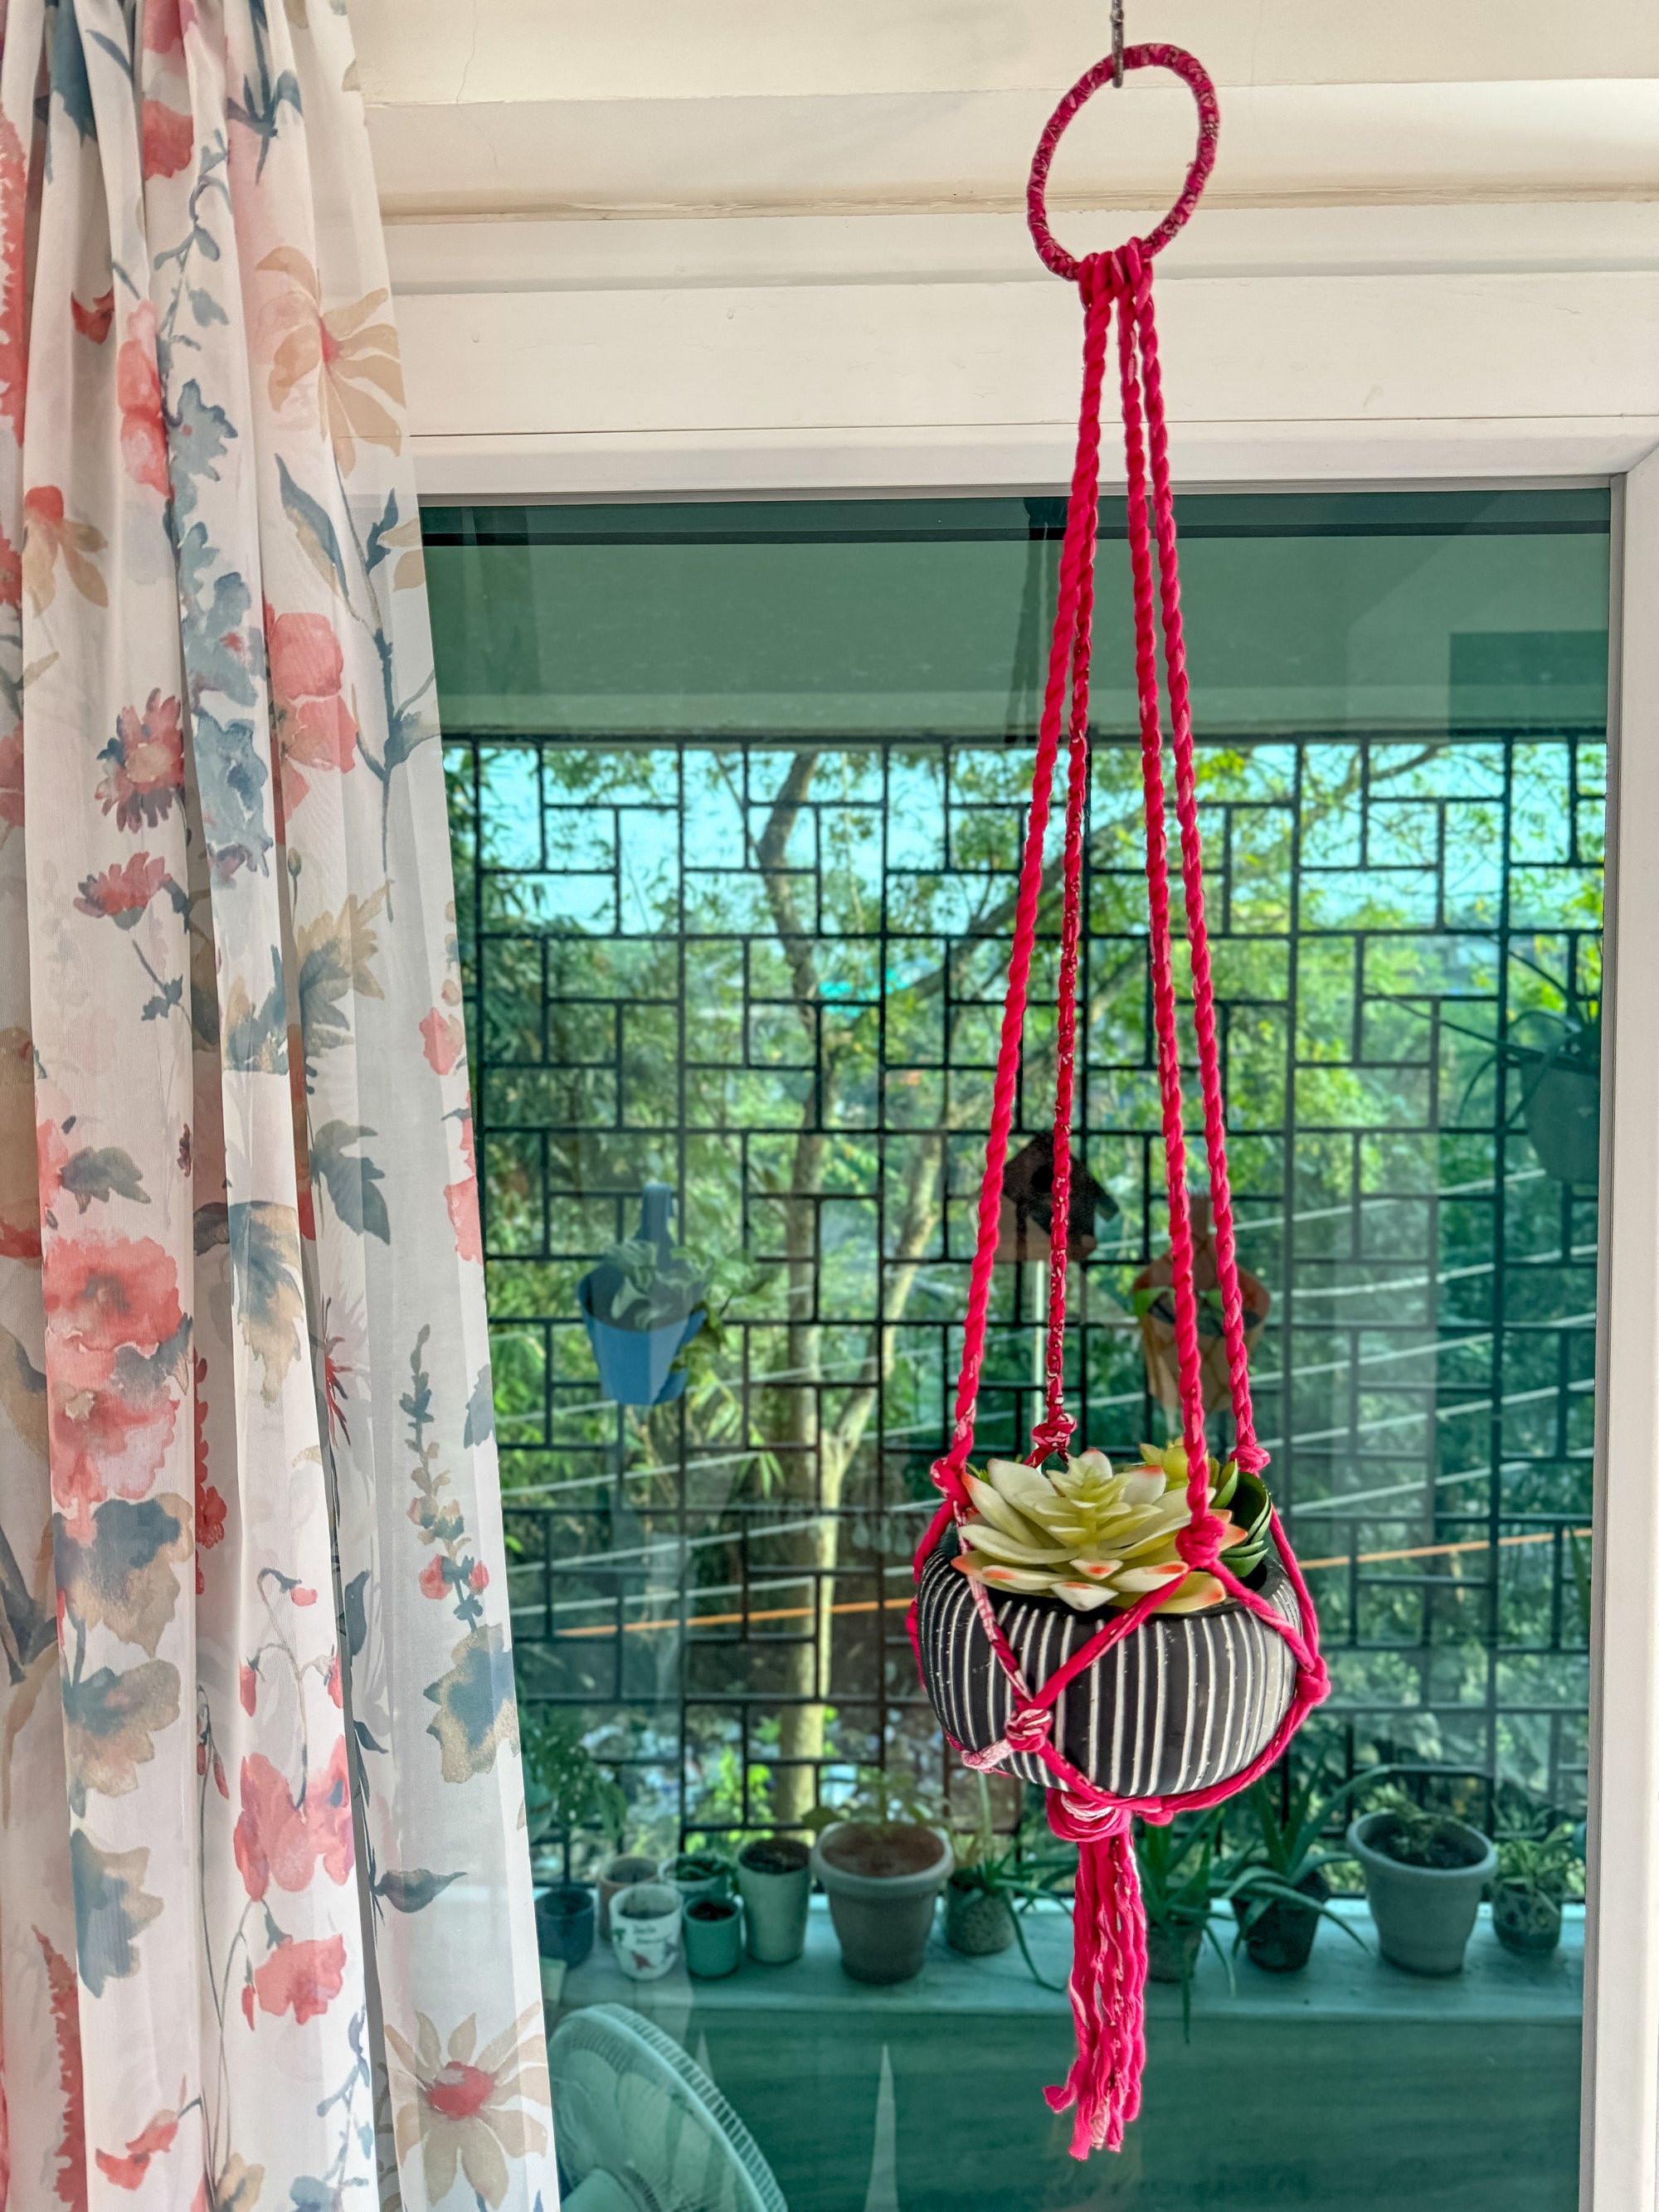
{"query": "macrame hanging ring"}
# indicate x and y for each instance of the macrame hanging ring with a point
(1190, 72)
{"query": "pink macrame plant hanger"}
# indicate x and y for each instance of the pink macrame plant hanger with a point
(1109, 1964)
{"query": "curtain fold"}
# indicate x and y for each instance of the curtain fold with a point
(265, 1927)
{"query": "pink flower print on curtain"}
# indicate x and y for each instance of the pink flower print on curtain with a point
(261, 1805)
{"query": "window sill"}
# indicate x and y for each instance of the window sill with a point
(1339, 1982)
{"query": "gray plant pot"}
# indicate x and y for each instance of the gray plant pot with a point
(882, 1917)
(1423, 1915)
(775, 1879)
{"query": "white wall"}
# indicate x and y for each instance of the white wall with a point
(682, 244)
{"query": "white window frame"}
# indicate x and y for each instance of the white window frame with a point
(1620, 2112)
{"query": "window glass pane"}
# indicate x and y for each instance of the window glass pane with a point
(736, 792)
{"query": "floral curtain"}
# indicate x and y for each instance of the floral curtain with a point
(265, 1934)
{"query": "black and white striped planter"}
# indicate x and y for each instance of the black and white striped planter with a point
(1183, 1701)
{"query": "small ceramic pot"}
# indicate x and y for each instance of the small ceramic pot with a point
(564, 1921)
(621, 1871)
(696, 1874)
(1281, 1941)
(1424, 1915)
(1172, 1950)
(713, 1936)
(978, 1922)
(645, 1930)
(1525, 1921)
(883, 1880)
(775, 1879)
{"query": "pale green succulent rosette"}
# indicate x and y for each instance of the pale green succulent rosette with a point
(1093, 1535)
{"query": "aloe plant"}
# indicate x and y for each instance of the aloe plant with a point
(1270, 1867)
(1176, 1864)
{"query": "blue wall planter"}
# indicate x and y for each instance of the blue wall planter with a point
(634, 1363)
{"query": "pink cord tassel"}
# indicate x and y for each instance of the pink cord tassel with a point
(1108, 1986)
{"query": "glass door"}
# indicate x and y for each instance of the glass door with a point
(736, 794)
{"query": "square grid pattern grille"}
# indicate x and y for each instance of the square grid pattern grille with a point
(771, 975)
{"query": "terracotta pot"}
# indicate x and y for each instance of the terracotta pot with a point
(621, 1870)
(1157, 1333)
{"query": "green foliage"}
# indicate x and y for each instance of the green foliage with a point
(1415, 1836)
(1549, 1865)
(570, 1789)
(1178, 1891)
(663, 1035)
(1268, 1866)
(635, 1287)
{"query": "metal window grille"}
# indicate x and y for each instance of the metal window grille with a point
(771, 975)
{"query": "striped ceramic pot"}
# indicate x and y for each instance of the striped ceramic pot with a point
(1183, 1701)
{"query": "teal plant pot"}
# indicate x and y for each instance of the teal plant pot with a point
(697, 1874)
(713, 1936)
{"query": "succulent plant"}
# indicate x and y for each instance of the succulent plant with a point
(1095, 1535)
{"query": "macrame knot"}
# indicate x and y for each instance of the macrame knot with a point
(1315, 1684)
(1078, 1820)
(1250, 1458)
(1028, 1728)
(1131, 273)
(1198, 1543)
(946, 1476)
(1051, 1436)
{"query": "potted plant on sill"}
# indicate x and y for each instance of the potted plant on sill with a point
(991, 1886)
(1424, 1873)
(697, 1874)
(883, 1859)
(1177, 1862)
(1276, 1881)
(642, 1304)
(566, 1790)
(713, 1936)
(1535, 1875)
(775, 1880)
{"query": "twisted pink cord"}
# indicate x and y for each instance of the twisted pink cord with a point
(1075, 597)
(1109, 1963)
(1137, 275)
